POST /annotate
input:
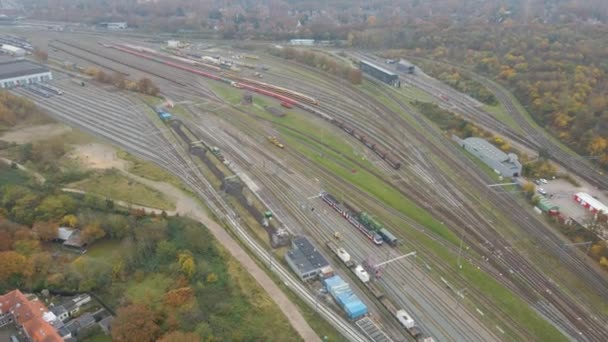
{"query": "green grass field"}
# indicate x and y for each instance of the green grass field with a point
(117, 186)
(8, 175)
(150, 290)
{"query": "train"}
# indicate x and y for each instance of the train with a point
(371, 223)
(49, 88)
(369, 142)
(370, 234)
(284, 91)
(38, 91)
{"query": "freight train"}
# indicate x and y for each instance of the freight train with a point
(370, 234)
(369, 142)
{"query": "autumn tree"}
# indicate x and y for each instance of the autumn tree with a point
(178, 297)
(46, 230)
(178, 336)
(529, 189)
(13, 264)
(187, 264)
(40, 55)
(146, 86)
(91, 233)
(135, 323)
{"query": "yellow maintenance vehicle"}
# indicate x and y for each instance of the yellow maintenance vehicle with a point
(275, 141)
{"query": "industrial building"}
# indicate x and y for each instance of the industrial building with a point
(406, 67)
(305, 260)
(592, 204)
(114, 25)
(506, 164)
(304, 42)
(380, 73)
(12, 50)
(15, 73)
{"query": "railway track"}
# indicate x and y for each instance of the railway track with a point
(129, 134)
(537, 281)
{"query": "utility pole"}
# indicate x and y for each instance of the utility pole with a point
(460, 251)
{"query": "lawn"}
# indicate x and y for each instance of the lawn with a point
(8, 175)
(99, 338)
(113, 185)
(150, 290)
(104, 250)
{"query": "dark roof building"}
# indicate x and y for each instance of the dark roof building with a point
(380, 73)
(305, 259)
(21, 72)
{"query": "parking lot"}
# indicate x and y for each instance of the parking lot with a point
(561, 193)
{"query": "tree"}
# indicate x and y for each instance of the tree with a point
(46, 230)
(26, 247)
(70, 221)
(178, 336)
(13, 264)
(91, 233)
(56, 207)
(178, 297)
(6, 241)
(146, 86)
(40, 55)
(186, 262)
(529, 189)
(135, 323)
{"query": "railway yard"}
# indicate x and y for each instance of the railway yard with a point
(481, 265)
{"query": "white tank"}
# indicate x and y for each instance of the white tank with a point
(344, 256)
(362, 273)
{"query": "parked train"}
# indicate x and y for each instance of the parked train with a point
(370, 234)
(284, 91)
(49, 88)
(38, 91)
(369, 142)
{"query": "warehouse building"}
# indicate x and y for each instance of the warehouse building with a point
(303, 42)
(15, 73)
(380, 73)
(114, 25)
(306, 261)
(12, 50)
(506, 164)
(591, 203)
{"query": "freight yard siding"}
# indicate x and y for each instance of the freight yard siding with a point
(379, 73)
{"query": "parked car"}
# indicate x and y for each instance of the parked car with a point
(541, 191)
(537, 182)
(542, 180)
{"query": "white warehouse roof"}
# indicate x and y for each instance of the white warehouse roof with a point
(593, 203)
(12, 48)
